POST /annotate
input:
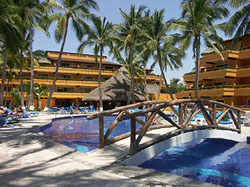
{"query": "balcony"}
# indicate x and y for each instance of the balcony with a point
(243, 72)
(60, 82)
(217, 91)
(214, 57)
(62, 95)
(244, 54)
(75, 70)
(207, 93)
(209, 75)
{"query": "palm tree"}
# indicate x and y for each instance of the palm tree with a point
(39, 91)
(10, 37)
(127, 39)
(161, 44)
(238, 24)
(176, 85)
(196, 23)
(74, 10)
(100, 37)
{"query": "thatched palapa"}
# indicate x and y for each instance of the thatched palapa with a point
(117, 89)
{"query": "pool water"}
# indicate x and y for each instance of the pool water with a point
(218, 161)
(82, 134)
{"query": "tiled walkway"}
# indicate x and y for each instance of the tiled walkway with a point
(27, 158)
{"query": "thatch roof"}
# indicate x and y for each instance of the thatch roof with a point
(116, 89)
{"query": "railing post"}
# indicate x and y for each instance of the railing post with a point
(133, 147)
(101, 132)
(180, 116)
(239, 121)
(213, 114)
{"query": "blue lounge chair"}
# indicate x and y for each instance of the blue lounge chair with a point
(25, 113)
(4, 118)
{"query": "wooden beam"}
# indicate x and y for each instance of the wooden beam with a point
(233, 118)
(195, 113)
(133, 147)
(213, 114)
(164, 116)
(101, 132)
(112, 126)
(222, 115)
(174, 110)
(180, 116)
(146, 127)
(185, 110)
(189, 116)
(206, 115)
(239, 121)
(137, 119)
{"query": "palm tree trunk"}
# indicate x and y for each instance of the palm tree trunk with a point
(6, 93)
(159, 91)
(21, 79)
(99, 80)
(162, 72)
(131, 90)
(58, 63)
(145, 84)
(30, 105)
(3, 76)
(197, 65)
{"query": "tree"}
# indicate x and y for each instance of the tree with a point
(39, 91)
(10, 36)
(76, 11)
(127, 38)
(238, 24)
(161, 44)
(196, 23)
(176, 85)
(100, 37)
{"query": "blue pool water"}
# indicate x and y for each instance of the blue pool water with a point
(82, 134)
(217, 161)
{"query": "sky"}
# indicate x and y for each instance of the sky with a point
(110, 9)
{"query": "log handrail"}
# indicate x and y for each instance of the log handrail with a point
(182, 124)
(164, 104)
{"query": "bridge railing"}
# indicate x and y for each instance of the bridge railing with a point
(185, 110)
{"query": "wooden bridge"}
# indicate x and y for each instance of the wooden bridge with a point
(185, 109)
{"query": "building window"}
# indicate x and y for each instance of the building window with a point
(86, 78)
(220, 83)
(248, 102)
(222, 66)
(65, 77)
(108, 67)
(70, 90)
(42, 76)
(65, 65)
(85, 90)
(88, 66)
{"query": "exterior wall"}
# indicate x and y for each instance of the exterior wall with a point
(74, 81)
(227, 79)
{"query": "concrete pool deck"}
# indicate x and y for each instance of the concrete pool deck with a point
(28, 158)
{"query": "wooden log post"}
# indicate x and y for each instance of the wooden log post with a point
(180, 117)
(133, 147)
(239, 121)
(213, 115)
(101, 132)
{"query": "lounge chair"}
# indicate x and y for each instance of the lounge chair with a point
(4, 118)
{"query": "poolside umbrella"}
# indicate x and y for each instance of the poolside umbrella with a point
(117, 88)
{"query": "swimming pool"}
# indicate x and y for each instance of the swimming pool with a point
(218, 161)
(82, 134)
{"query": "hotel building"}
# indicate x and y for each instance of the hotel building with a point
(78, 75)
(225, 80)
